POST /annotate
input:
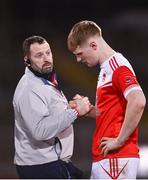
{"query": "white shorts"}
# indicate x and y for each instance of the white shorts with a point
(115, 168)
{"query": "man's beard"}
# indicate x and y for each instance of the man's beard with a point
(46, 72)
(47, 68)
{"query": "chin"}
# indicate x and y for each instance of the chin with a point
(47, 70)
(90, 65)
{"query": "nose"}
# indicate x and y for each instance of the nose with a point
(47, 58)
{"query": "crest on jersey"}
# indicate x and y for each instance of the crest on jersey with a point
(129, 79)
(103, 76)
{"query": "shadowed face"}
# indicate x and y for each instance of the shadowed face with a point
(41, 58)
(87, 54)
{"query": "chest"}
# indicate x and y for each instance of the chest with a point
(104, 78)
(58, 101)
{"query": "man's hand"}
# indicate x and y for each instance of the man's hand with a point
(92, 109)
(77, 96)
(81, 104)
(108, 144)
(72, 104)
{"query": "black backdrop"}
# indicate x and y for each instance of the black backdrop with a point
(125, 27)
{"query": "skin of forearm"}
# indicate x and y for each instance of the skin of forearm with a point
(92, 113)
(133, 115)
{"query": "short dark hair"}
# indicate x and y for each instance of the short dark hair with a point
(31, 40)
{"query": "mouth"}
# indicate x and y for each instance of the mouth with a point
(47, 65)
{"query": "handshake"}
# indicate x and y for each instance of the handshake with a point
(81, 104)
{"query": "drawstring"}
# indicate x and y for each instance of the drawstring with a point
(58, 152)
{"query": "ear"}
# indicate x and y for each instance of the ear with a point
(26, 61)
(93, 45)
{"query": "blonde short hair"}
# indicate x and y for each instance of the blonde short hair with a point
(80, 32)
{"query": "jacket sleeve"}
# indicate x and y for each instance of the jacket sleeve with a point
(41, 121)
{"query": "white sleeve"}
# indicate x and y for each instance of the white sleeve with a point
(130, 89)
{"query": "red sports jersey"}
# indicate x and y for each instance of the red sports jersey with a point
(116, 80)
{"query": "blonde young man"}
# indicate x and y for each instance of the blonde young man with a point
(119, 104)
(44, 118)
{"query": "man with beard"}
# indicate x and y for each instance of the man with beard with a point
(43, 118)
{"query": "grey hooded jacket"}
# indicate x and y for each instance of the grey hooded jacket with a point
(41, 114)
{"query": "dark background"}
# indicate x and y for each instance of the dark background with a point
(125, 27)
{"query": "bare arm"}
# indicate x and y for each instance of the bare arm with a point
(92, 112)
(135, 106)
(134, 110)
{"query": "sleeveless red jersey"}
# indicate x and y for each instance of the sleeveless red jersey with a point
(116, 80)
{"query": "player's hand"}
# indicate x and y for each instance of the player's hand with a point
(77, 96)
(72, 104)
(108, 144)
(83, 106)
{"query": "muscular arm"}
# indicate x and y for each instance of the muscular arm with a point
(135, 107)
(134, 110)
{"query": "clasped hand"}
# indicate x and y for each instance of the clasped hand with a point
(81, 104)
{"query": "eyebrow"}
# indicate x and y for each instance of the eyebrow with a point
(38, 53)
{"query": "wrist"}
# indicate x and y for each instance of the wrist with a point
(119, 141)
(74, 109)
(76, 112)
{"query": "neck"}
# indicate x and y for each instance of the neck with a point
(105, 51)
